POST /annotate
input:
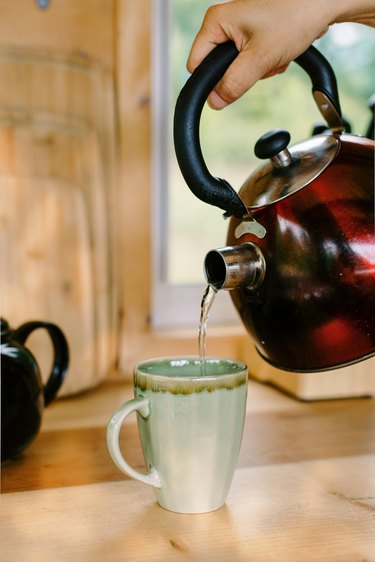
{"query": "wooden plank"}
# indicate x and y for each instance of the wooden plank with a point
(351, 381)
(134, 242)
(299, 433)
(312, 511)
(83, 28)
(57, 182)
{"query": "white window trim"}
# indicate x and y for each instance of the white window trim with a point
(173, 306)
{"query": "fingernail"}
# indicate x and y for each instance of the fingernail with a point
(215, 101)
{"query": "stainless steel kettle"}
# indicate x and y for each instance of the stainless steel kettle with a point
(300, 259)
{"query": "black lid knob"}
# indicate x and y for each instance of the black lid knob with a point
(319, 129)
(4, 326)
(272, 143)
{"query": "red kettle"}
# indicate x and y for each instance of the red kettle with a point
(300, 254)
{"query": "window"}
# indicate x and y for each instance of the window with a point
(185, 228)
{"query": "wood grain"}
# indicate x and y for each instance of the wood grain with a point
(74, 457)
(304, 489)
(57, 157)
(350, 381)
(319, 511)
(81, 28)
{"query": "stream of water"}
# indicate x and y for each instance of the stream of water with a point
(206, 304)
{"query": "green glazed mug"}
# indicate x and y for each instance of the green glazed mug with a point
(190, 419)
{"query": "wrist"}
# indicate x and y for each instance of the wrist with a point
(357, 11)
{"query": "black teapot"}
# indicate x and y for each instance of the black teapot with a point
(23, 395)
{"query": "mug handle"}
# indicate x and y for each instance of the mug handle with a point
(60, 354)
(113, 431)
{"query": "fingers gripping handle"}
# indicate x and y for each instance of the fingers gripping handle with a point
(191, 100)
(113, 433)
(210, 189)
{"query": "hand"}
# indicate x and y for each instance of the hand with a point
(268, 35)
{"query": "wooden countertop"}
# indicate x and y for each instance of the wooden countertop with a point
(304, 489)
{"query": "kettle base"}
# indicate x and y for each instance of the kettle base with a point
(319, 368)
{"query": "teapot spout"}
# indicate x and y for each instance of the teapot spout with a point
(233, 267)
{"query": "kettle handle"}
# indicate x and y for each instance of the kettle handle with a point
(60, 354)
(189, 105)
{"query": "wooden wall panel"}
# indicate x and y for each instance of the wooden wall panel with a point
(57, 178)
(81, 28)
(134, 112)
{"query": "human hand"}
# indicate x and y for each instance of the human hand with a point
(268, 36)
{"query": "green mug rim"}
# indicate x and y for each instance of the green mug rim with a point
(188, 384)
(241, 366)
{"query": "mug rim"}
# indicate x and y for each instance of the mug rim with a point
(137, 370)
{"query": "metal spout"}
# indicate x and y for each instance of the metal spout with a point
(233, 267)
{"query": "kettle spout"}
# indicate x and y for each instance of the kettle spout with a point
(234, 267)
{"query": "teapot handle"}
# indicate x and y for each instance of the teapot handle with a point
(189, 105)
(60, 354)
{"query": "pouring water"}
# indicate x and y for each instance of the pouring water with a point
(206, 304)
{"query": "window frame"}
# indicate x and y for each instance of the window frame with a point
(137, 204)
(173, 305)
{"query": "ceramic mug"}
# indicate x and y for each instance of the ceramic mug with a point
(190, 421)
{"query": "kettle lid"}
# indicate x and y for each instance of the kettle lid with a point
(289, 169)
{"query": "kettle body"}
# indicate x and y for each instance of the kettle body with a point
(300, 254)
(315, 309)
(23, 394)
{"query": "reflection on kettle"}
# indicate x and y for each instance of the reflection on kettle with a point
(23, 396)
(300, 259)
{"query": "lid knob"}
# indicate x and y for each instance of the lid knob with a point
(4, 326)
(274, 145)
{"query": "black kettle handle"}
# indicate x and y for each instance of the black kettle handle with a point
(189, 105)
(60, 354)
